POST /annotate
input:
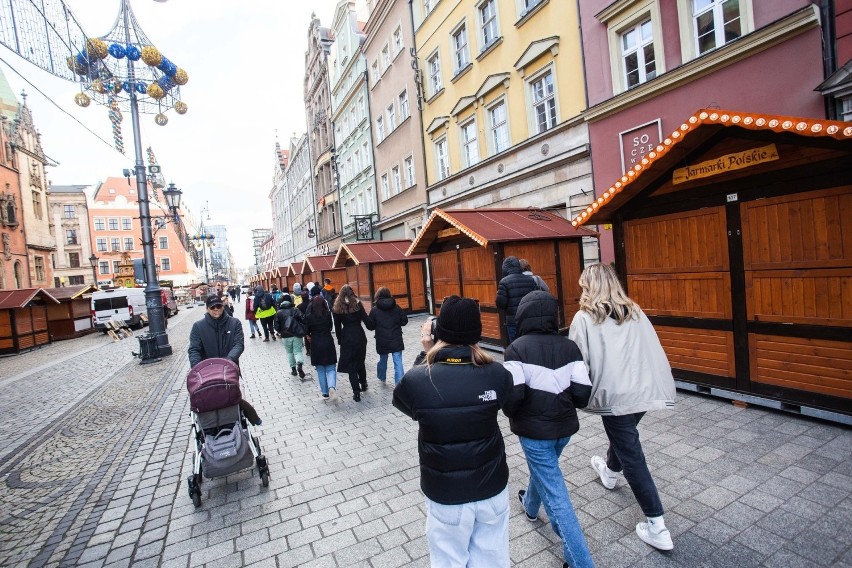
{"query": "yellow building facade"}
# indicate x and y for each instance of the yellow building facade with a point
(502, 94)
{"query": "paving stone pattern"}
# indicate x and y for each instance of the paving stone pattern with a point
(94, 453)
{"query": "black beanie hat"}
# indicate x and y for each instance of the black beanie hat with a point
(459, 322)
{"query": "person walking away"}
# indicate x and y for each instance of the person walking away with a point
(387, 318)
(512, 287)
(238, 293)
(328, 292)
(276, 295)
(229, 308)
(323, 351)
(551, 382)
(219, 335)
(297, 294)
(250, 317)
(265, 311)
(455, 397)
(630, 376)
(349, 315)
(303, 306)
(527, 269)
(292, 344)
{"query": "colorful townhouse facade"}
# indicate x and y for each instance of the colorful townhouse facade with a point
(14, 264)
(281, 214)
(393, 97)
(301, 200)
(69, 211)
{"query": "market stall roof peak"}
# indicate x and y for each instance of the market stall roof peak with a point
(20, 298)
(373, 251)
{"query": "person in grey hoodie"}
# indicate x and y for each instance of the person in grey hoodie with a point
(630, 375)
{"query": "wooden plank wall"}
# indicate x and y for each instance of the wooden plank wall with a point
(480, 282)
(700, 350)
(446, 279)
(7, 341)
(417, 285)
(570, 267)
(392, 276)
(814, 365)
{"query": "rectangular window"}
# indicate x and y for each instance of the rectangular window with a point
(356, 162)
(115, 243)
(353, 117)
(442, 158)
(391, 116)
(385, 188)
(408, 164)
(113, 223)
(116, 266)
(126, 224)
(470, 150)
(365, 154)
(128, 243)
(362, 109)
(69, 211)
(165, 264)
(435, 83)
(637, 52)
(101, 244)
(544, 102)
(385, 57)
(76, 280)
(716, 22)
(429, 5)
(380, 130)
(74, 259)
(397, 40)
(488, 21)
(164, 242)
(38, 262)
(37, 206)
(70, 236)
(403, 105)
(374, 71)
(397, 181)
(499, 127)
(100, 225)
(462, 57)
(103, 267)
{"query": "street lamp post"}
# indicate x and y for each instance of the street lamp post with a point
(93, 260)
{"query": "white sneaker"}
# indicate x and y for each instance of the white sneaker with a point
(332, 392)
(658, 537)
(608, 477)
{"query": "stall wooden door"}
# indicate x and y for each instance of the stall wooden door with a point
(446, 276)
(391, 275)
(678, 271)
(797, 257)
(479, 281)
(417, 285)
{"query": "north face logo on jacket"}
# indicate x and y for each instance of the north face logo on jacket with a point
(488, 396)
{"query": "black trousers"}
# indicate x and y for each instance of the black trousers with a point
(266, 323)
(625, 454)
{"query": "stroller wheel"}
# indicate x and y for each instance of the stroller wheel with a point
(194, 491)
(263, 470)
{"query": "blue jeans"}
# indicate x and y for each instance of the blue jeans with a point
(470, 535)
(547, 486)
(625, 454)
(382, 366)
(253, 327)
(327, 376)
(511, 331)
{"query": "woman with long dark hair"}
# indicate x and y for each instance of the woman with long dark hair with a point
(323, 352)
(349, 315)
(630, 375)
(387, 318)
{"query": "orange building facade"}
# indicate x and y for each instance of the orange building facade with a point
(14, 273)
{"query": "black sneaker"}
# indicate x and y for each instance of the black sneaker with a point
(300, 371)
(293, 371)
(521, 494)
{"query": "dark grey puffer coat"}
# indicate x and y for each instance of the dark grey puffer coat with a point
(512, 288)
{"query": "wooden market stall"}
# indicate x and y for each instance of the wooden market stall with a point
(372, 264)
(466, 249)
(735, 236)
(294, 274)
(318, 268)
(72, 316)
(23, 319)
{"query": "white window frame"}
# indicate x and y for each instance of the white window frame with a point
(396, 180)
(353, 117)
(110, 223)
(433, 65)
(365, 154)
(101, 244)
(128, 241)
(161, 240)
(461, 53)
(429, 5)
(404, 111)
(374, 71)
(127, 223)
(469, 146)
(385, 187)
(115, 244)
(442, 158)
(493, 146)
(396, 40)
(408, 168)
(103, 267)
(639, 50)
(688, 37)
(362, 109)
(386, 58)
(100, 224)
(623, 22)
(531, 81)
(390, 114)
(492, 24)
(380, 130)
(166, 264)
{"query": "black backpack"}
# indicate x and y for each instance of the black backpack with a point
(265, 303)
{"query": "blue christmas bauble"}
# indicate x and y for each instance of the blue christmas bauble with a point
(165, 83)
(133, 53)
(117, 50)
(83, 58)
(141, 88)
(127, 86)
(167, 67)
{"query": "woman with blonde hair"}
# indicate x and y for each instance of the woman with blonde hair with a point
(349, 315)
(630, 375)
(455, 397)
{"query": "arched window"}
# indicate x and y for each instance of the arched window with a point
(2, 275)
(11, 213)
(19, 277)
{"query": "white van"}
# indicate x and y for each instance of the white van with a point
(123, 304)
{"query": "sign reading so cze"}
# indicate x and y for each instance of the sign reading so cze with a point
(726, 163)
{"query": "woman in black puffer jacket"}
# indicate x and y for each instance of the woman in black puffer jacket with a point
(349, 314)
(387, 318)
(455, 398)
(323, 352)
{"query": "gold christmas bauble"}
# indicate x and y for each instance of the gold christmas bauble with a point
(98, 86)
(161, 119)
(181, 77)
(97, 48)
(151, 55)
(155, 91)
(180, 107)
(82, 99)
(75, 66)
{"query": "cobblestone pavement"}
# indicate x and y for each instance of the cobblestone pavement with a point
(94, 453)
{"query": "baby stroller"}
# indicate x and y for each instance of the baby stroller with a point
(224, 442)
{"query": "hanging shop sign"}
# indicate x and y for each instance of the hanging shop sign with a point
(726, 163)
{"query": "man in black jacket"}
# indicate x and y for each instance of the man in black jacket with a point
(550, 382)
(219, 335)
(455, 398)
(512, 288)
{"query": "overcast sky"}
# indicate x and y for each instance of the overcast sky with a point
(245, 60)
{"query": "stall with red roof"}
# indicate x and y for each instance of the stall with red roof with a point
(23, 319)
(72, 316)
(318, 268)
